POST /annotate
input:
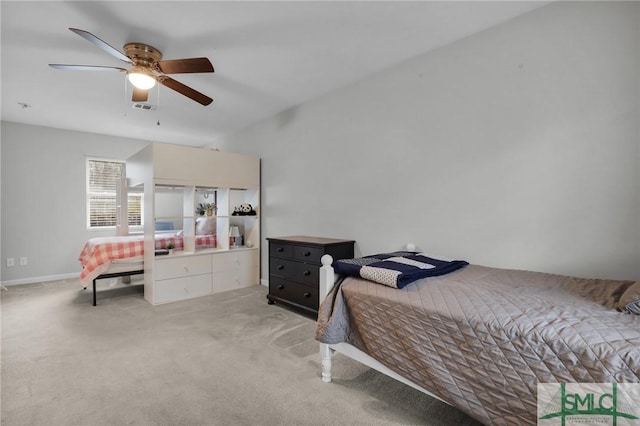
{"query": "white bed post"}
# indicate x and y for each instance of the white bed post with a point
(327, 281)
(326, 284)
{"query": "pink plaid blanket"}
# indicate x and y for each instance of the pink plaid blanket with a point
(98, 253)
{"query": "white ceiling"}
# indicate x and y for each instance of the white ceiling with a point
(268, 57)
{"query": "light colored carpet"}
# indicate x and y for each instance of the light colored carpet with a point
(225, 359)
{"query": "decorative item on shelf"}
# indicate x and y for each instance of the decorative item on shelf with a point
(244, 209)
(170, 247)
(206, 208)
(249, 243)
(235, 239)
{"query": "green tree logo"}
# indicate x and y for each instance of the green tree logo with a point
(599, 405)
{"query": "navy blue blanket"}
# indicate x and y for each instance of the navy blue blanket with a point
(396, 269)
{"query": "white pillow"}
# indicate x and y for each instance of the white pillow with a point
(206, 226)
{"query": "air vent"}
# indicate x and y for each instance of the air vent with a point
(145, 107)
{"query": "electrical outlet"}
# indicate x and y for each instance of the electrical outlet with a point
(23, 261)
(11, 262)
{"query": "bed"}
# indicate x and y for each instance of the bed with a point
(480, 338)
(109, 257)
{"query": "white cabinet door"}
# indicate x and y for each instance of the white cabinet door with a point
(235, 269)
(181, 277)
(181, 288)
(181, 266)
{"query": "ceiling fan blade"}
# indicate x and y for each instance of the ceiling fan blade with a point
(185, 90)
(85, 68)
(101, 44)
(181, 66)
(139, 95)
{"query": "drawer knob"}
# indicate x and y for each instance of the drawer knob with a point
(280, 249)
(280, 287)
(186, 269)
(307, 295)
(307, 273)
(280, 267)
(307, 253)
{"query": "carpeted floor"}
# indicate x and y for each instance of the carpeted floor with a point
(225, 359)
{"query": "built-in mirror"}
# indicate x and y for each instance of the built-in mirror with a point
(169, 201)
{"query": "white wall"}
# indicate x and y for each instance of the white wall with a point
(517, 147)
(43, 197)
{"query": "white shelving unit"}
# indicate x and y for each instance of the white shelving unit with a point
(176, 179)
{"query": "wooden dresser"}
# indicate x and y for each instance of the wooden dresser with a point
(294, 268)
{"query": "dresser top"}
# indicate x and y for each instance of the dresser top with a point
(310, 240)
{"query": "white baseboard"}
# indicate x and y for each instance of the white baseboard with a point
(264, 282)
(45, 278)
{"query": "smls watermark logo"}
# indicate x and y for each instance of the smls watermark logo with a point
(566, 404)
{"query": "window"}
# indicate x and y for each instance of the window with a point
(102, 181)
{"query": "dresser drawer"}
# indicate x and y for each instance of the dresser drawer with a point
(282, 267)
(182, 266)
(234, 279)
(296, 271)
(181, 288)
(294, 268)
(295, 293)
(277, 249)
(234, 260)
(308, 254)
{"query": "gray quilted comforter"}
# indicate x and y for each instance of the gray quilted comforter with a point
(482, 338)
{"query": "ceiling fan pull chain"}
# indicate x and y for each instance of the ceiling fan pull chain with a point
(158, 110)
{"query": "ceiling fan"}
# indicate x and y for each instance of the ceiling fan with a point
(148, 68)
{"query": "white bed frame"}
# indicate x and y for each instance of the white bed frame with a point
(327, 351)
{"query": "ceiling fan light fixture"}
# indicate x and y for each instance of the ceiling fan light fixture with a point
(142, 78)
(148, 68)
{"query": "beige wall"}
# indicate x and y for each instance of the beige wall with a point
(43, 197)
(517, 147)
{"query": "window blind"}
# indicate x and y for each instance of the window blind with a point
(101, 194)
(134, 214)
